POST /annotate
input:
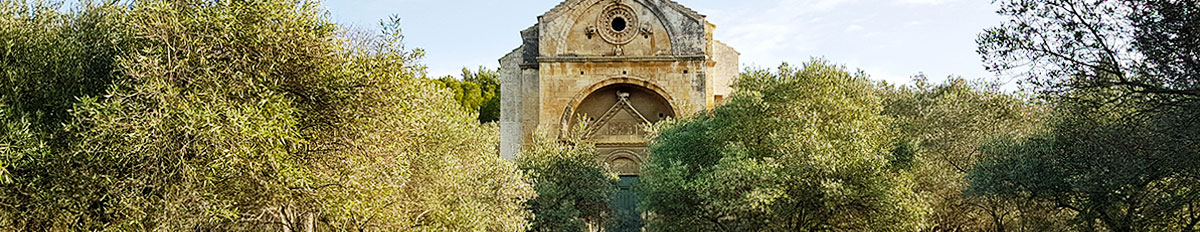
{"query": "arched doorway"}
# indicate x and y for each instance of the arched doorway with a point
(616, 115)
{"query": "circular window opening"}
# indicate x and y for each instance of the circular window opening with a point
(618, 24)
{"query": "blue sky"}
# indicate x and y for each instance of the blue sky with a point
(889, 39)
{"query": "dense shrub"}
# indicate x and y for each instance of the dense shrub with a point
(945, 124)
(799, 149)
(235, 115)
(573, 186)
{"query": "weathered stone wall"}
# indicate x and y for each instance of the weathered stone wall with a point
(519, 88)
(581, 43)
(725, 71)
(511, 99)
(563, 85)
(684, 27)
(667, 49)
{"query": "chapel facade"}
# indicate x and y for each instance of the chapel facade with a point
(616, 64)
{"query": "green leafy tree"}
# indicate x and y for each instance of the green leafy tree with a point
(945, 123)
(1121, 153)
(1113, 173)
(1145, 51)
(1165, 32)
(235, 115)
(799, 149)
(50, 58)
(573, 186)
(477, 92)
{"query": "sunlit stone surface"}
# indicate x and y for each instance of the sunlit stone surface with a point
(618, 64)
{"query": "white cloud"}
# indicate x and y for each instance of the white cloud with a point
(808, 6)
(912, 24)
(889, 41)
(776, 31)
(854, 28)
(823, 5)
(924, 2)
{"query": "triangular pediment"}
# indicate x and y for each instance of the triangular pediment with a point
(622, 120)
(569, 28)
(623, 123)
(566, 6)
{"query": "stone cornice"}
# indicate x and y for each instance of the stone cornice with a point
(619, 144)
(671, 58)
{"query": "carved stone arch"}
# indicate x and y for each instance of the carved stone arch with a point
(578, 98)
(568, 116)
(624, 162)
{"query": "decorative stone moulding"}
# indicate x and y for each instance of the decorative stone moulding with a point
(618, 25)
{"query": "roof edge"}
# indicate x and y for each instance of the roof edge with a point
(563, 6)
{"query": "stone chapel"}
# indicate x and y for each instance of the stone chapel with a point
(619, 64)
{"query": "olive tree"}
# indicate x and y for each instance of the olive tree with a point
(573, 186)
(235, 115)
(796, 149)
(1120, 152)
(1112, 173)
(946, 123)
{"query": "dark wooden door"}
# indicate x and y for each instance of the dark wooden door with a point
(625, 214)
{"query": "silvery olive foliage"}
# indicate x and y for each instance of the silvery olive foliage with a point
(796, 149)
(234, 115)
(945, 124)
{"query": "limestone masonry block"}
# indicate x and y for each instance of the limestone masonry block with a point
(619, 65)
